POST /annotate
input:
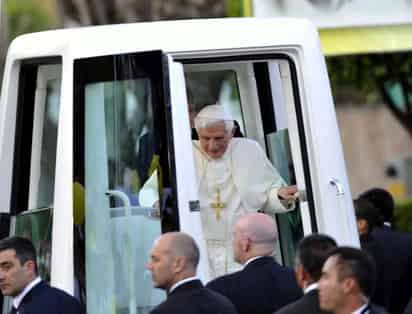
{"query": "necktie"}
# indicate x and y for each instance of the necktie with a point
(13, 310)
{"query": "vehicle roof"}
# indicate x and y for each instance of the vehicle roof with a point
(169, 36)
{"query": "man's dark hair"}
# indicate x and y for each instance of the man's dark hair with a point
(365, 210)
(312, 253)
(357, 264)
(23, 247)
(381, 200)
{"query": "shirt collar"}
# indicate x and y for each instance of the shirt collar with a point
(362, 310)
(250, 260)
(312, 286)
(17, 300)
(181, 282)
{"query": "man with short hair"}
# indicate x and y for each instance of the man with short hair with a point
(395, 244)
(367, 218)
(262, 286)
(19, 279)
(234, 177)
(173, 263)
(347, 282)
(383, 201)
(311, 254)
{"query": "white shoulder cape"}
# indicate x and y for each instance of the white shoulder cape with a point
(253, 175)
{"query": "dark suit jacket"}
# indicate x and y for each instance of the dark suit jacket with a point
(43, 299)
(193, 298)
(308, 304)
(398, 246)
(384, 262)
(408, 309)
(262, 287)
(375, 309)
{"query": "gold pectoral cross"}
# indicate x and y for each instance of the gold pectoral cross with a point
(218, 205)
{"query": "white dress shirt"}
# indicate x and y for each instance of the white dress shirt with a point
(181, 282)
(364, 309)
(311, 287)
(250, 260)
(17, 300)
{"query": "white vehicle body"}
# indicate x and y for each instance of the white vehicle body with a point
(279, 56)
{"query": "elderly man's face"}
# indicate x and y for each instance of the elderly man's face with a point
(214, 140)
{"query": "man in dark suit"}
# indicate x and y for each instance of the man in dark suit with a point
(408, 309)
(311, 254)
(367, 219)
(19, 279)
(173, 262)
(263, 286)
(396, 245)
(383, 201)
(347, 282)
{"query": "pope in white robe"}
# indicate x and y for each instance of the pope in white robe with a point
(234, 177)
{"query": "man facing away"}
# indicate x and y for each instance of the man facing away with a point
(396, 245)
(311, 254)
(347, 282)
(173, 262)
(19, 279)
(234, 177)
(262, 286)
(367, 218)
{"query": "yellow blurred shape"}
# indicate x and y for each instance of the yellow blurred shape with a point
(78, 203)
(397, 189)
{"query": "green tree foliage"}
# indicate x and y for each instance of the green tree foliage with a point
(360, 76)
(234, 8)
(27, 16)
(403, 216)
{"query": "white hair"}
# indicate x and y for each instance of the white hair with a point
(213, 115)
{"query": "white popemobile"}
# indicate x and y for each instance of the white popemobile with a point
(88, 115)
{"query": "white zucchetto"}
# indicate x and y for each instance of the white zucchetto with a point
(213, 114)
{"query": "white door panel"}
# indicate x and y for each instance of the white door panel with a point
(189, 214)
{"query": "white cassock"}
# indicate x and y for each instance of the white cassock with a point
(244, 181)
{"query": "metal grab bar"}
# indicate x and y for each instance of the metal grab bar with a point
(339, 187)
(128, 209)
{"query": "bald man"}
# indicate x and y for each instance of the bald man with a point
(262, 286)
(234, 177)
(173, 262)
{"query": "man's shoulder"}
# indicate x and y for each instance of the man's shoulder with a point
(306, 304)
(43, 293)
(299, 306)
(218, 298)
(376, 309)
(224, 280)
(56, 291)
(191, 301)
(269, 264)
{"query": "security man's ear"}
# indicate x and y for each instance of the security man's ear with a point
(349, 285)
(30, 266)
(179, 264)
(363, 226)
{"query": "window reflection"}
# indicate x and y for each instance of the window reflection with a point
(37, 227)
(119, 164)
